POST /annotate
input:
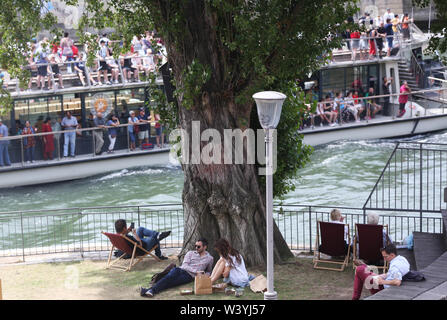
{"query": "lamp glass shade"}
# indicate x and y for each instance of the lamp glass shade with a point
(269, 105)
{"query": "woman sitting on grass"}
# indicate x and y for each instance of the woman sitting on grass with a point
(230, 266)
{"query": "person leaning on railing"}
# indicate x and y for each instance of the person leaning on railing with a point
(69, 123)
(113, 132)
(99, 123)
(4, 154)
(48, 140)
(131, 129)
(29, 143)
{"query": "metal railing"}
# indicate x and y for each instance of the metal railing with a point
(78, 229)
(25, 233)
(417, 72)
(412, 180)
(298, 223)
(13, 84)
(21, 152)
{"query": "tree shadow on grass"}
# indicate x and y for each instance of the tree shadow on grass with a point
(296, 281)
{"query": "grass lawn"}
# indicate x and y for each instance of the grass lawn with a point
(90, 280)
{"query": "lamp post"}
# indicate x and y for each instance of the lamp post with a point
(269, 104)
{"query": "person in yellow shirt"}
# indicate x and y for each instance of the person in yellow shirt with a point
(395, 22)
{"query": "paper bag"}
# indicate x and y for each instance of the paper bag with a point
(258, 284)
(202, 284)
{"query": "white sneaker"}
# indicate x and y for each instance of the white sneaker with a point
(115, 82)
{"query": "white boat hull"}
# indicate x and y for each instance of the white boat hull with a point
(376, 130)
(79, 168)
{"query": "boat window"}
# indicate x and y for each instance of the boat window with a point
(72, 102)
(333, 81)
(36, 110)
(393, 75)
(6, 117)
(55, 108)
(127, 100)
(357, 79)
(373, 75)
(21, 112)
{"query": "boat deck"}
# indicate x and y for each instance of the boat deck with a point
(82, 158)
(379, 119)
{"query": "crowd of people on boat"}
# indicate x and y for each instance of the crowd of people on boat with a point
(337, 108)
(138, 131)
(378, 36)
(50, 61)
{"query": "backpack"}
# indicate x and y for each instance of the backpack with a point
(413, 276)
(158, 276)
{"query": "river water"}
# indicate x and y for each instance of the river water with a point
(339, 174)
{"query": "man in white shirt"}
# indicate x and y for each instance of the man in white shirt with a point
(69, 123)
(364, 277)
(388, 15)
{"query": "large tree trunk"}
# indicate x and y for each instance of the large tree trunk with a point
(220, 201)
(225, 201)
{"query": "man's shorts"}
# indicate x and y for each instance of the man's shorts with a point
(103, 66)
(143, 135)
(42, 71)
(390, 42)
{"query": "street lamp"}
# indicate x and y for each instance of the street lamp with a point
(269, 104)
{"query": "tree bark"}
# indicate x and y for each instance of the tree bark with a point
(219, 200)
(225, 201)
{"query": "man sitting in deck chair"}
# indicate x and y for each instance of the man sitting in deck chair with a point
(372, 237)
(365, 277)
(144, 237)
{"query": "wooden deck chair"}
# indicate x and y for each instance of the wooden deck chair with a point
(368, 240)
(121, 242)
(333, 244)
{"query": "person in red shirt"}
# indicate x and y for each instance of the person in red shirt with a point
(48, 140)
(355, 42)
(403, 98)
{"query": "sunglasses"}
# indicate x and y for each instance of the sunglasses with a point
(198, 247)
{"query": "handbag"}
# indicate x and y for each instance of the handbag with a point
(414, 276)
(258, 284)
(158, 276)
(202, 284)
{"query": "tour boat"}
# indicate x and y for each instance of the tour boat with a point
(425, 110)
